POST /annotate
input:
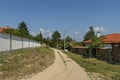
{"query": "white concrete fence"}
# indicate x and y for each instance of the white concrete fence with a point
(11, 42)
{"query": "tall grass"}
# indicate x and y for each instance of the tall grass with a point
(92, 65)
(26, 62)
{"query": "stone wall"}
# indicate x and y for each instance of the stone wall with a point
(102, 54)
(116, 52)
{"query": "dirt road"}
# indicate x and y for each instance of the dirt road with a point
(63, 68)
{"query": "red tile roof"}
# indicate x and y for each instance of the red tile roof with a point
(87, 42)
(110, 38)
(1, 29)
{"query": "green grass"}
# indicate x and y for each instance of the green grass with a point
(26, 62)
(92, 65)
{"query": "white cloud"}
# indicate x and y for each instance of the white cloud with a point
(76, 32)
(50, 34)
(99, 29)
(41, 29)
(45, 32)
(33, 33)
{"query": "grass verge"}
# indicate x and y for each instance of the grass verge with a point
(105, 70)
(24, 63)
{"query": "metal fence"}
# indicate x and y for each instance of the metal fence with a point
(11, 42)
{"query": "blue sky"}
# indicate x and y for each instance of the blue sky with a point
(72, 16)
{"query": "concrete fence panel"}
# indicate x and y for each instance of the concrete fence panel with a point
(25, 43)
(4, 42)
(11, 42)
(16, 42)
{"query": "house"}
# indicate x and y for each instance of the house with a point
(111, 42)
(3, 28)
(114, 40)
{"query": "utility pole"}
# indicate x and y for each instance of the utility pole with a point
(57, 42)
(64, 39)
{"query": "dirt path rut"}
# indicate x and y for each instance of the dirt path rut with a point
(63, 68)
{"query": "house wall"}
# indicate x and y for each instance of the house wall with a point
(87, 45)
(108, 46)
(11, 42)
(116, 52)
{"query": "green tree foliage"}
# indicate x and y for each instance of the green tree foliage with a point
(67, 45)
(39, 37)
(12, 31)
(96, 42)
(89, 34)
(56, 41)
(67, 42)
(78, 44)
(68, 39)
(56, 35)
(23, 29)
(31, 37)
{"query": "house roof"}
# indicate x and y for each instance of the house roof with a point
(3, 28)
(110, 38)
(87, 41)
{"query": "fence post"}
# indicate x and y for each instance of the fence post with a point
(22, 42)
(29, 43)
(10, 42)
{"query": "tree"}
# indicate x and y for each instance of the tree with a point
(23, 29)
(96, 41)
(31, 37)
(56, 37)
(39, 37)
(95, 44)
(68, 39)
(12, 31)
(89, 34)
